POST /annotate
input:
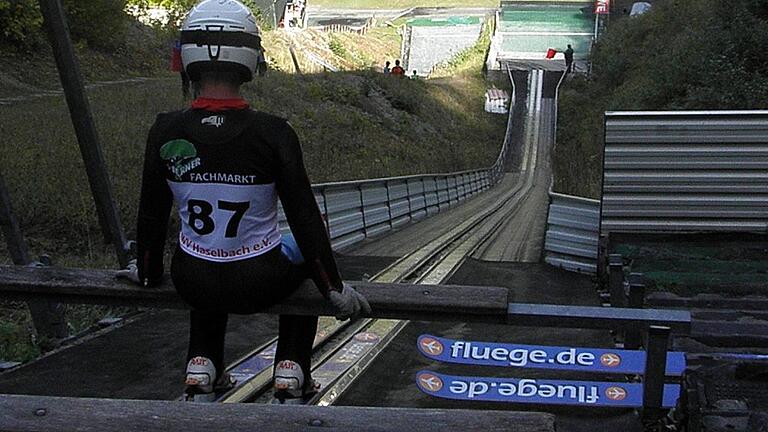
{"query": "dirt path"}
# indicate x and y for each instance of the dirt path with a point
(35, 93)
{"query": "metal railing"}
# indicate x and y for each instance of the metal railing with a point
(573, 226)
(356, 210)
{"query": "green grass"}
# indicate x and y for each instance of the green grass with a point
(735, 267)
(16, 338)
(353, 126)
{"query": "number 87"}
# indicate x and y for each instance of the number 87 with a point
(200, 210)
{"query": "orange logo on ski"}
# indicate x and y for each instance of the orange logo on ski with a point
(431, 346)
(610, 360)
(430, 382)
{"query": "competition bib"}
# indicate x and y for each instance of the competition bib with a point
(226, 222)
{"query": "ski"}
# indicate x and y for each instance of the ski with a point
(539, 391)
(597, 360)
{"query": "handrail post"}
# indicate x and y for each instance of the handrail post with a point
(633, 339)
(616, 281)
(389, 205)
(362, 210)
(655, 371)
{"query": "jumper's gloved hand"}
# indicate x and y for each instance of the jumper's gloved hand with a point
(348, 302)
(131, 272)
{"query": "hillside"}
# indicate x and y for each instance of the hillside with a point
(354, 124)
(685, 54)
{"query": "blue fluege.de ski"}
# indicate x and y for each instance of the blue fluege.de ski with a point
(542, 357)
(539, 391)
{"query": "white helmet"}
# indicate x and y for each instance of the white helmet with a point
(218, 35)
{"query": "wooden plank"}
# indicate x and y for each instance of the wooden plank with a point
(434, 302)
(401, 301)
(55, 414)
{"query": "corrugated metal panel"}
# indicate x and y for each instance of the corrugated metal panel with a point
(685, 171)
(345, 214)
(572, 233)
(375, 208)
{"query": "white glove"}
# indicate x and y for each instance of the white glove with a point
(131, 272)
(348, 303)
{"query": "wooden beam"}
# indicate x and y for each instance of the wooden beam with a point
(17, 247)
(434, 302)
(401, 301)
(85, 129)
(54, 414)
(47, 316)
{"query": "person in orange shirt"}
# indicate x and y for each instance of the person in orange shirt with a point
(398, 70)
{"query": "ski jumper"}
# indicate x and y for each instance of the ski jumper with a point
(225, 166)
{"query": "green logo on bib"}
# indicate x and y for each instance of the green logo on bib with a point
(180, 156)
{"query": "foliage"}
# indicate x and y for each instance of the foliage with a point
(20, 21)
(335, 45)
(684, 54)
(176, 10)
(15, 343)
(98, 23)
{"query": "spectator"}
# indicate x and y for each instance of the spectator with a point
(398, 70)
(414, 76)
(387, 70)
(569, 59)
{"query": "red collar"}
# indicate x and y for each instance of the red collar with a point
(216, 105)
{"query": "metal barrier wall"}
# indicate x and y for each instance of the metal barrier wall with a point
(573, 226)
(687, 171)
(356, 210)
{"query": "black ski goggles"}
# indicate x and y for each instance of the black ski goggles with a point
(221, 38)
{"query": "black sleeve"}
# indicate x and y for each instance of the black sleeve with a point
(300, 207)
(154, 209)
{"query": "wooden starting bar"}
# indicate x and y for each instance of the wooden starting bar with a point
(54, 414)
(402, 301)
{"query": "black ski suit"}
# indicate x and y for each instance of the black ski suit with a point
(225, 169)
